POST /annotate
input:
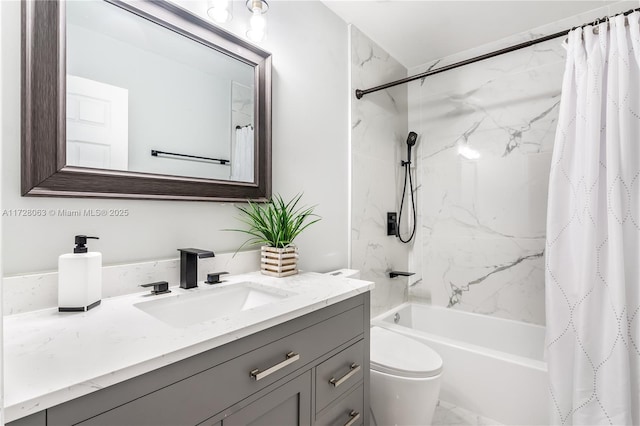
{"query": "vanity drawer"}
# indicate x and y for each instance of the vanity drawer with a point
(348, 411)
(200, 396)
(338, 374)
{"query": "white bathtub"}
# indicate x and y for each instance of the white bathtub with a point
(491, 366)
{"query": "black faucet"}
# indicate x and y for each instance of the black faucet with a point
(189, 265)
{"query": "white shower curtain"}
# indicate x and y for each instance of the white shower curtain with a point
(593, 231)
(242, 158)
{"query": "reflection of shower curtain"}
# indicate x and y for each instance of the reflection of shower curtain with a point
(593, 231)
(242, 159)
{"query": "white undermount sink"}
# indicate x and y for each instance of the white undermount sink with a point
(183, 310)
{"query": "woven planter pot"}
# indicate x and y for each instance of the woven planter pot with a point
(279, 262)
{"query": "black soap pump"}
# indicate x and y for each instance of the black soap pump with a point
(81, 243)
(79, 278)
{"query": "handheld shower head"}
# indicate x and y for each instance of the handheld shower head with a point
(412, 138)
(411, 141)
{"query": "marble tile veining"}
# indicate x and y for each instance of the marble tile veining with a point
(117, 341)
(483, 165)
(378, 135)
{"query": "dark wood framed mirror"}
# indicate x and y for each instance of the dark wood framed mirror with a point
(46, 166)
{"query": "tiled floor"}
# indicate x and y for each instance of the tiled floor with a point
(450, 415)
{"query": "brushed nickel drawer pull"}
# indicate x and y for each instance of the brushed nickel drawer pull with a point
(355, 416)
(353, 369)
(291, 358)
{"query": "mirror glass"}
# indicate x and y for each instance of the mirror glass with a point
(142, 98)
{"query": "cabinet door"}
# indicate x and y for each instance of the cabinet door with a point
(347, 410)
(288, 405)
(338, 374)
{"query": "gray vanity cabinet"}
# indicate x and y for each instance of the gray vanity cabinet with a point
(311, 370)
(290, 404)
(37, 419)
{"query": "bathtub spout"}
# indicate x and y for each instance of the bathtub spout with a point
(394, 274)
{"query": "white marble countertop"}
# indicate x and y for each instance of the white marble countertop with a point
(53, 357)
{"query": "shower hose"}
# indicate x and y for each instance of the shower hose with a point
(407, 173)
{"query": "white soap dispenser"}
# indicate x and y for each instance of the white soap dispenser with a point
(79, 278)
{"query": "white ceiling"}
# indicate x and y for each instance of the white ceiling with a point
(419, 31)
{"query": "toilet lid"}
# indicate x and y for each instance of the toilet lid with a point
(399, 355)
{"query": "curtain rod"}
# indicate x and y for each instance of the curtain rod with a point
(360, 93)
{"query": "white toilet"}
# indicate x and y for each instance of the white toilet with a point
(405, 376)
(405, 379)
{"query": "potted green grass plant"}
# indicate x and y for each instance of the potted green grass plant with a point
(275, 225)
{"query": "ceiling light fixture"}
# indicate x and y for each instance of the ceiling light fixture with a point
(220, 10)
(257, 23)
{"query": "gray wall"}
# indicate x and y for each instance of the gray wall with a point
(310, 141)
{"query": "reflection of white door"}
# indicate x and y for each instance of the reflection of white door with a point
(97, 124)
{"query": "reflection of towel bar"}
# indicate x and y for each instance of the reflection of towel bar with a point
(155, 153)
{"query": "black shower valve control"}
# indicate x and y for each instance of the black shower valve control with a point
(392, 223)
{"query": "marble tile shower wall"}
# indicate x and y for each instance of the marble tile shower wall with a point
(484, 157)
(485, 154)
(378, 130)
